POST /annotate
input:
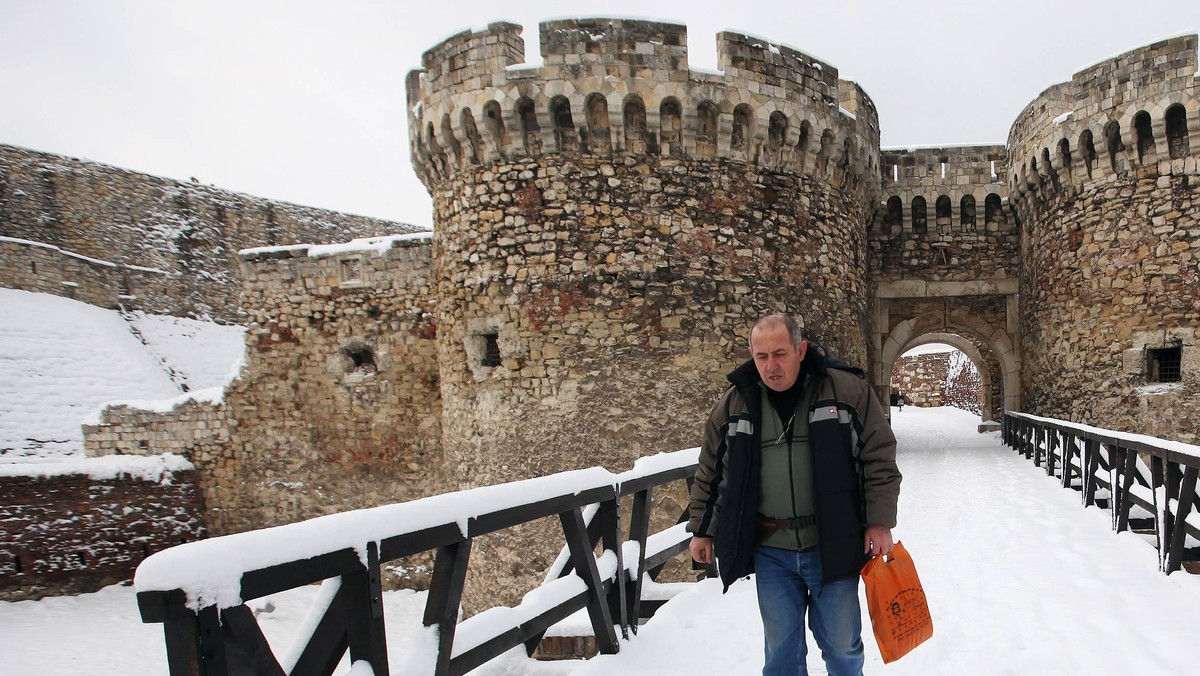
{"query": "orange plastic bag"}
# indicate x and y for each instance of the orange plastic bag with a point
(899, 612)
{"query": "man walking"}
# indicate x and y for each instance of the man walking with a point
(798, 484)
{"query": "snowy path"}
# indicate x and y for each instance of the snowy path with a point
(1021, 580)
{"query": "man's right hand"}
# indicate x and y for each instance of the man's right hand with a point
(702, 549)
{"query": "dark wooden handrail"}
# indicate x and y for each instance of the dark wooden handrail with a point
(198, 590)
(1091, 459)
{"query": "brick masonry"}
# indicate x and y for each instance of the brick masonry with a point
(74, 534)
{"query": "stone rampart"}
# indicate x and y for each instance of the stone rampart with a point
(137, 221)
(1113, 118)
(1107, 185)
(43, 268)
(338, 406)
(74, 534)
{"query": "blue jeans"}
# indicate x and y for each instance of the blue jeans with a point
(789, 583)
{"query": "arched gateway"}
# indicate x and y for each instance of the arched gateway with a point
(949, 276)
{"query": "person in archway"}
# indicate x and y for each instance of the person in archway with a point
(900, 400)
(798, 484)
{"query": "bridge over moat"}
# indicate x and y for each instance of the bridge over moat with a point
(1020, 575)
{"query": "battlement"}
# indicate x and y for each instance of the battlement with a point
(615, 86)
(1134, 110)
(468, 55)
(639, 44)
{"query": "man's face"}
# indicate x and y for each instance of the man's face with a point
(777, 360)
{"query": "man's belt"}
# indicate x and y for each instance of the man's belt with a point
(794, 522)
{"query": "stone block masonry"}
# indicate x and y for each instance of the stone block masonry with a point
(132, 222)
(608, 226)
(938, 379)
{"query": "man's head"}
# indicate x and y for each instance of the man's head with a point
(777, 347)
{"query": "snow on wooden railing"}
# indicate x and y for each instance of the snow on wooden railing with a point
(1125, 472)
(199, 590)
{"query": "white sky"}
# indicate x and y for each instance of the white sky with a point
(304, 101)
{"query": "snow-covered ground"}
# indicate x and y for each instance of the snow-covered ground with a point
(1021, 580)
(61, 360)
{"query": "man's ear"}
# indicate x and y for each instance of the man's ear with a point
(803, 349)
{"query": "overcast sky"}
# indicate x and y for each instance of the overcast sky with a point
(303, 100)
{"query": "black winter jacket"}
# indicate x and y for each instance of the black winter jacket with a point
(856, 481)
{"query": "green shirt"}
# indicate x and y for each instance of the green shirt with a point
(787, 476)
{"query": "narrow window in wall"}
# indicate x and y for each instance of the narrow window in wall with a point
(942, 207)
(670, 121)
(777, 129)
(350, 270)
(895, 212)
(920, 215)
(491, 350)
(564, 123)
(471, 131)
(1088, 148)
(1165, 365)
(742, 127)
(359, 357)
(966, 211)
(991, 208)
(529, 125)
(635, 126)
(1145, 136)
(706, 129)
(33, 267)
(1177, 132)
(1064, 155)
(598, 138)
(802, 143)
(1112, 136)
(493, 121)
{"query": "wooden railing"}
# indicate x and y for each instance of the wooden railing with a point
(1119, 471)
(199, 590)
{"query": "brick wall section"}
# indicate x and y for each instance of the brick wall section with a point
(75, 534)
(133, 219)
(925, 381)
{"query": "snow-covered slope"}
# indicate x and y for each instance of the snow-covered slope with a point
(60, 360)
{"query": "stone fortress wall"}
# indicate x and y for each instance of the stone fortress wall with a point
(932, 379)
(119, 238)
(1106, 181)
(608, 225)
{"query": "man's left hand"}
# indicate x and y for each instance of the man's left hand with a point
(878, 541)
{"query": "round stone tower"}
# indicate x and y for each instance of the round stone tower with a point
(1104, 177)
(609, 223)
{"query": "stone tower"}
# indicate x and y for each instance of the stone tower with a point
(609, 223)
(1105, 177)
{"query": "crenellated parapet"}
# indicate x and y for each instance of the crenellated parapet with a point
(1106, 182)
(1135, 110)
(611, 87)
(943, 213)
